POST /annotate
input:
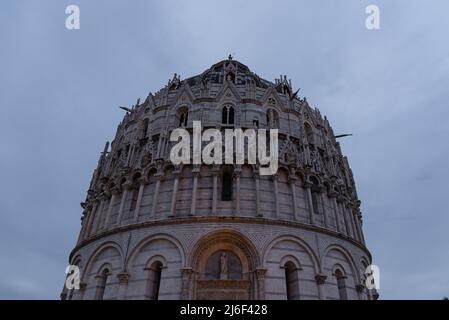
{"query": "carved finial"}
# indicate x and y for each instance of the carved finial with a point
(230, 57)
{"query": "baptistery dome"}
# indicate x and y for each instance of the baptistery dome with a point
(155, 230)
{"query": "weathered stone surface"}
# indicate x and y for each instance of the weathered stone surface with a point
(148, 232)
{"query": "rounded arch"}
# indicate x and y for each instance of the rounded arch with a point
(301, 175)
(338, 270)
(77, 260)
(168, 167)
(181, 115)
(105, 269)
(348, 256)
(290, 259)
(156, 259)
(314, 179)
(159, 236)
(212, 241)
(283, 168)
(102, 247)
(150, 171)
(302, 243)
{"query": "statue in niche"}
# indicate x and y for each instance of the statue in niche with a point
(223, 266)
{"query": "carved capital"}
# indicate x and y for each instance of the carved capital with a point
(320, 278)
(123, 277)
(260, 272)
(143, 180)
(292, 179)
(83, 286)
(360, 287)
(186, 273)
(115, 190)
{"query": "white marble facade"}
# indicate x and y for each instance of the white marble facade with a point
(150, 228)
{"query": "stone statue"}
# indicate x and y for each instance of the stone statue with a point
(223, 266)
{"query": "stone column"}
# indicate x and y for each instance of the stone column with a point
(333, 196)
(125, 190)
(257, 180)
(237, 174)
(143, 183)
(174, 194)
(83, 226)
(359, 223)
(195, 173)
(276, 195)
(320, 282)
(342, 212)
(186, 291)
(214, 191)
(308, 185)
(123, 278)
(292, 181)
(326, 222)
(260, 273)
(353, 224)
(158, 177)
(347, 214)
(82, 290)
(97, 222)
(114, 193)
(94, 214)
(90, 218)
(360, 288)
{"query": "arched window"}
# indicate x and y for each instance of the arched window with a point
(145, 128)
(291, 281)
(183, 117)
(154, 281)
(256, 123)
(309, 133)
(102, 279)
(227, 115)
(226, 186)
(272, 119)
(341, 283)
(315, 195)
(315, 202)
(134, 192)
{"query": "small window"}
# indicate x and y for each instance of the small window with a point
(134, 195)
(315, 202)
(227, 115)
(101, 284)
(291, 281)
(154, 280)
(226, 190)
(341, 283)
(183, 119)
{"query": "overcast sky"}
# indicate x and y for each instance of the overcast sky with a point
(60, 91)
